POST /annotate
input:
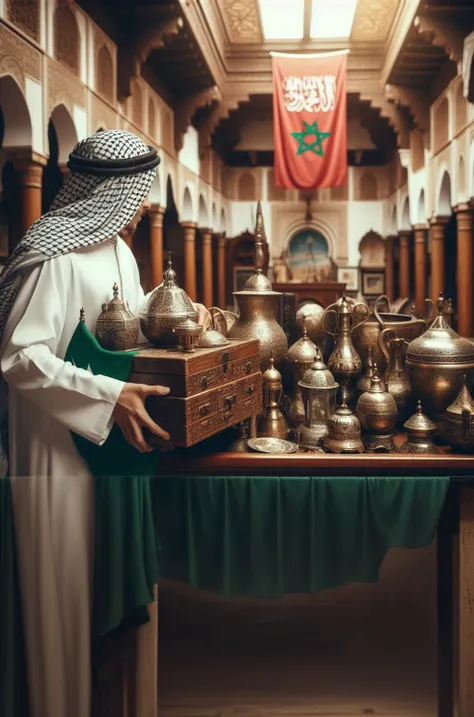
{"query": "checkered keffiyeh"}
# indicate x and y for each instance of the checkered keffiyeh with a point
(88, 209)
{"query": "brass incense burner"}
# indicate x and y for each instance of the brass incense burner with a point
(272, 423)
(377, 413)
(300, 357)
(420, 433)
(344, 362)
(167, 307)
(437, 363)
(344, 433)
(318, 390)
(188, 333)
(117, 329)
(258, 305)
(458, 421)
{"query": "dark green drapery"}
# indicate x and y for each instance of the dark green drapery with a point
(267, 536)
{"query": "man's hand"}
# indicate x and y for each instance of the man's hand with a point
(204, 316)
(132, 417)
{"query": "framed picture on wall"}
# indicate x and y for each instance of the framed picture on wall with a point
(349, 275)
(373, 282)
(241, 274)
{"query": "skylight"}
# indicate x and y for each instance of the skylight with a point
(332, 18)
(282, 19)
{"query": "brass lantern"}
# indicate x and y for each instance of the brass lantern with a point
(318, 389)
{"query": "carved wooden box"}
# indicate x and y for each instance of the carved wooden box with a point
(210, 389)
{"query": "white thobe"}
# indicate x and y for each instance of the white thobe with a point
(52, 488)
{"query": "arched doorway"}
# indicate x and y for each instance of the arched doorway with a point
(307, 257)
(52, 175)
(173, 236)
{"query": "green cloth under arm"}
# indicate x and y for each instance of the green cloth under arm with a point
(126, 565)
(270, 536)
(13, 676)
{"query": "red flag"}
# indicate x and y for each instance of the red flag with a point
(310, 120)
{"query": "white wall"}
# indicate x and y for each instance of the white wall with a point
(189, 155)
(362, 217)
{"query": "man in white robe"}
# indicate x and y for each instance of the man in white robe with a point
(69, 260)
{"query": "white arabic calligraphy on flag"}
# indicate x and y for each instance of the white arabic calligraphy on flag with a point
(313, 93)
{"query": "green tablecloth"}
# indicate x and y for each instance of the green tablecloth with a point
(267, 536)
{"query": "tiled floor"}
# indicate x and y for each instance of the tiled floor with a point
(360, 650)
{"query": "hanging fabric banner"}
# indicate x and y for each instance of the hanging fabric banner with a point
(310, 120)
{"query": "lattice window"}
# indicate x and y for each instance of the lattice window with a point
(25, 14)
(67, 39)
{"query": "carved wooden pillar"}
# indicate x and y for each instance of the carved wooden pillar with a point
(221, 271)
(464, 277)
(30, 174)
(207, 279)
(156, 243)
(420, 268)
(437, 228)
(389, 269)
(189, 229)
(404, 268)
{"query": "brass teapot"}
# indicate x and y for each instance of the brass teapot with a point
(458, 421)
(397, 378)
(344, 361)
(437, 362)
(117, 329)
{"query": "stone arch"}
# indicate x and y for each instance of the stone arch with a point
(170, 201)
(203, 217)
(443, 205)
(392, 222)
(368, 189)
(105, 73)
(405, 224)
(247, 188)
(215, 218)
(421, 211)
(223, 223)
(461, 178)
(187, 212)
(155, 191)
(65, 132)
(67, 41)
(151, 118)
(18, 130)
(317, 224)
(372, 250)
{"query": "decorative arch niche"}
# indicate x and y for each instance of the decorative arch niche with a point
(461, 178)
(105, 73)
(203, 218)
(444, 205)
(16, 115)
(67, 39)
(372, 251)
(65, 132)
(405, 218)
(307, 257)
(187, 213)
(421, 214)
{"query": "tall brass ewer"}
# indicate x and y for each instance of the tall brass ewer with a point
(344, 362)
(258, 305)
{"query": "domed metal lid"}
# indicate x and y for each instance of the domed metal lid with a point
(272, 375)
(169, 300)
(418, 423)
(116, 309)
(344, 423)
(212, 338)
(462, 403)
(318, 376)
(440, 343)
(303, 350)
(188, 328)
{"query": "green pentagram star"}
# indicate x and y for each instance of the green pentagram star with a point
(316, 145)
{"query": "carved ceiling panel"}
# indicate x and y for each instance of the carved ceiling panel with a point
(241, 20)
(373, 20)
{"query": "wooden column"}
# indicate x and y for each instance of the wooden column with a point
(30, 173)
(189, 229)
(404, 267)
(389, 269)
(156, 243)
(207, 278)
(437, 227)
(221, 243)
(464, 277)
(420, 268)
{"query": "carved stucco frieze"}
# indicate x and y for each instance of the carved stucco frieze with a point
(25, 14)
(418, 105)
(27, 57)
(64, 88)
(220, 112)
(373, 20)
(186, 110)
(9, 66)
(391, 112)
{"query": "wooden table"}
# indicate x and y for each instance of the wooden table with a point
(133, 683)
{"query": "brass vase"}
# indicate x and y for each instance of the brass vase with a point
(258, 308)
(344, 362)
(300, 357)
(272, 423)
(397, 378)
(344, 432)
(377, 413)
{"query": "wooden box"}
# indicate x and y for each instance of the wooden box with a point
(210, 389)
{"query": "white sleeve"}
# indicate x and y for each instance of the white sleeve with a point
(72, 396)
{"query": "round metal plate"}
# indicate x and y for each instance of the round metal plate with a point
(271, 445)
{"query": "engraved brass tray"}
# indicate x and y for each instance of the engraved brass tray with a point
(271, 445)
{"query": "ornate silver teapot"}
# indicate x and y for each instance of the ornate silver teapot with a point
(117, 329)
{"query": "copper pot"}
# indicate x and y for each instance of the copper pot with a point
(367, 334)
